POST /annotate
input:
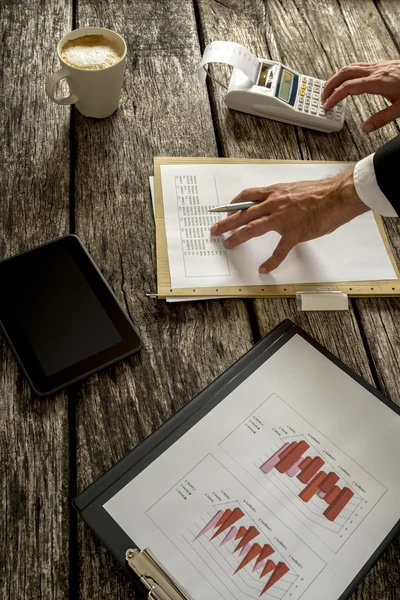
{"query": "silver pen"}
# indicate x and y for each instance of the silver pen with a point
(230, 207)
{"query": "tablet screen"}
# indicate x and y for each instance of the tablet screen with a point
(60, 315)
(59, 312)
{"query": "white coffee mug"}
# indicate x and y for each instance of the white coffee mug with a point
(96, 92)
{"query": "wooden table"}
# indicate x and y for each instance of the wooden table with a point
(64, 173)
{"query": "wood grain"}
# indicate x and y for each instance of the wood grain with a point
(353, 32)
(389, 11)
(34, 191)
(257, 26)
(317, 39)
(380, 320)
(243, 134)
(186, 345)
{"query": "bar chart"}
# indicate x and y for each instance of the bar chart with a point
(232, 538)
(257, 555)
(290, 461)
(320, 488)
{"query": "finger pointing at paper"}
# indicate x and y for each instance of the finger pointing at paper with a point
(299, 212)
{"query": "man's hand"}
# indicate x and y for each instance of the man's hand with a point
(381, 78)
(299, 212)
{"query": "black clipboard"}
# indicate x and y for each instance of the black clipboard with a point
(89, 504)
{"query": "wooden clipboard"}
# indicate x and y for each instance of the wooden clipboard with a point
(165, 290)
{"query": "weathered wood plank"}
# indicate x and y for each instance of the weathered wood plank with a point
(389, 11)
(255, 25)
(244, 135)
(380, 318)
(187, 345)
(34, 190)
(318, 38)
(353, 32)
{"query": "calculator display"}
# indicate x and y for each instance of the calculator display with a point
(286, 86)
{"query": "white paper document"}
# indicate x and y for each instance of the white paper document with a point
(173, 299)
(354, 252)
(283, 491)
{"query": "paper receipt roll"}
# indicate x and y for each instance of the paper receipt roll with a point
(232, 54)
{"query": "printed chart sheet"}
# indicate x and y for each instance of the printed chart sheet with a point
(354, 252)
(284, 490)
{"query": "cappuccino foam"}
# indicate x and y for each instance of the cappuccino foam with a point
(90, 52)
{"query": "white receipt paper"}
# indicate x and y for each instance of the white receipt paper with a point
(354, 252)
(283, 491)
(232, 54)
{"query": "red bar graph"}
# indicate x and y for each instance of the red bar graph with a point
(287, 450)
(224, 517)
(280, 570)
(311, 470)
(230, 519)
(329, 498)
(338, 504)
(240, 533)
(305, 463)
(250, 551)
(313, 487)
(250, 534)
(269, 566)
(329, 483)
(296, 468)
(289, 460)
(244, 550)
(230, 535)
(275, 458)
(260, 565)
(211, 524)
(265, 552)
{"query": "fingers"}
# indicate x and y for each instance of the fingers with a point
(381, 118)
(280, 253)
(350, 72)
(253, 229)
(354, 87)
(240, 218)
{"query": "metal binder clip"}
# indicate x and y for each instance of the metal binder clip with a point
(160, 584)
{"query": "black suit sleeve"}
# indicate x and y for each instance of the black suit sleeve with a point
(387, 168)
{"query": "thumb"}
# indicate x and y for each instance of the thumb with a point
(381, 118)
(280, 253)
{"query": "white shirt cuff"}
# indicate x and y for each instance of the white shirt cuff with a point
(368, 190)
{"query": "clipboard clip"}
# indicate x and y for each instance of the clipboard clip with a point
(159, 583)
(321, 299)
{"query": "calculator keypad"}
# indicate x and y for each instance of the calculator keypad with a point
(309, 100)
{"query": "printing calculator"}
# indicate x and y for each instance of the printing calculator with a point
(283, 95)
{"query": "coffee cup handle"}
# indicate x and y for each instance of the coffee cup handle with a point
(51, 84)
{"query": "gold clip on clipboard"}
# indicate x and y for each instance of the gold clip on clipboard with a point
(159, 584)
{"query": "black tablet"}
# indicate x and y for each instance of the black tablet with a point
(60, 316)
